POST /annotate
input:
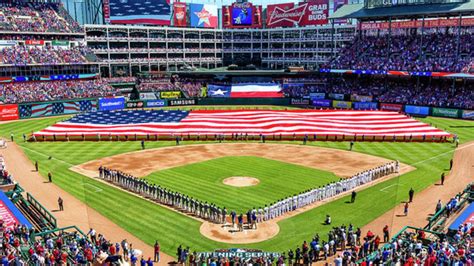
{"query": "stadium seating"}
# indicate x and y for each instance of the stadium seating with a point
(37, 17)
(403, 52)
(54, 90)
(25, 55)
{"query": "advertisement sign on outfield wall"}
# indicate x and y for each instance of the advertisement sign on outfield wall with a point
(317, 95)
(417, 110)
(468, 114)
(364, 105)
(391, 107)
(9, 112)
(107, 104)
(446, 112)
(182, 102)
(170, 94)
(321, 102)
(155, 103)
(295, 101)
(361, 98)
(336, 96)
(135, 104)
(342, 104)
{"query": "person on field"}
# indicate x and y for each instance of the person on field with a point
(351, 145)
(60, 204)
(442, 178)
(386, 234)
(451, 164)
(12, 137)
(353, 196)
(36, 166)
(156, 248)
(50, 177)
(143, 144)
(410, 195)
(405, 209)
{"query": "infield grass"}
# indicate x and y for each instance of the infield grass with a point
(173, 229)
(204, 181)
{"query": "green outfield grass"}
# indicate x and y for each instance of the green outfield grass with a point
(278, 180)
(150, 221)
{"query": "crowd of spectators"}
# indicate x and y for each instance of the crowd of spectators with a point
(36, 17)
(54, 90)
(432, 92)
(45, 55)
(436, 51)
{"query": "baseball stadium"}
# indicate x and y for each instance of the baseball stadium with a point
(153, 132)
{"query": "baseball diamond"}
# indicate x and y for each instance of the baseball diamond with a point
(253, 133)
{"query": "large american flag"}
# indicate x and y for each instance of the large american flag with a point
(252, 122)
(155, 12)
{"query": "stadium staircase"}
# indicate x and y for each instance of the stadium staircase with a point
(39, 216)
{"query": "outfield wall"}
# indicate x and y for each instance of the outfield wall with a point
(63, 107)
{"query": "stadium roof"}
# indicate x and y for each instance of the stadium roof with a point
(358, 11)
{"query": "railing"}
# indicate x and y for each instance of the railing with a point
(49, 217)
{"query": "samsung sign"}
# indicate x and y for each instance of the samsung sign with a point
(107, 104)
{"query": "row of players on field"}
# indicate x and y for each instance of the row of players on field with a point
(216, 214)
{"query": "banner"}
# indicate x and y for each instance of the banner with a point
(135, 104)
(170, 94)
(10, 214)
(391, 107)
(317, 13)
(157, 12)
(417, 110)
(468, 114)
(321, 103)
(336, 96)
(429, 23)
(7, 43)
(182, 102)
(365, 105)
(180, 17)
(106, 11)
(60, 43)
(242, 15)
(361, 98)
(155, 103)
(294, 101)
(244, 254)
(34, 42)
(107, 104)
(203, 15)
(342, 104)
(9, 112)
(28, 110)
(446, 112)
(218, 90)
(317, 95)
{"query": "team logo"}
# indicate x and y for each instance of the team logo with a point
(180, 15)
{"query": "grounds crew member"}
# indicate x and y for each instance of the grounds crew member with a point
(410, 194)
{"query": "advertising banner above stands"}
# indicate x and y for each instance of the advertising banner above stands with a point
(203, 15)
(468, 114)
(7, 43)
(9, 112)
(29, 110)
(34, 42)
(180, 16)
(446, 112)
(342, 104)
(107, 104)
(417, 110)
(336, 96)
(60, 43)
(157, 12)
(242, 15)
(106, 10)
(432, 23)
(364, 106)
(317, 95)
(391, 107)
(361, 98)
(288, 15)
(170, 94)
(321, 103)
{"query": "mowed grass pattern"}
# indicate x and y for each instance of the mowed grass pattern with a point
(150, 221)
(278, 180)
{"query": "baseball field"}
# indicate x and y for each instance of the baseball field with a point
(203, 180)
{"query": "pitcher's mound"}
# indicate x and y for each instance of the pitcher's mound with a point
(241, 181)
